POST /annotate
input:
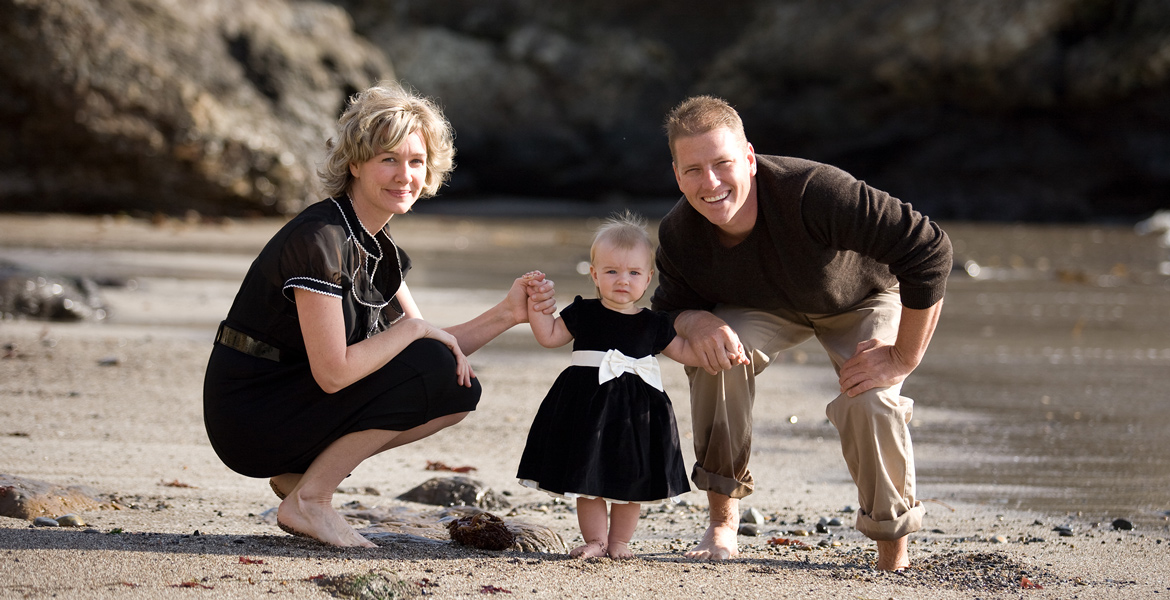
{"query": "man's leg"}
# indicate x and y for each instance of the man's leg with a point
(875, 434)
(721, 420)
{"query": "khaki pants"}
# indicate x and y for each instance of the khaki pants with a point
(875, 439)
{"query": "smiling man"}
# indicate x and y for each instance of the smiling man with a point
(768, 251)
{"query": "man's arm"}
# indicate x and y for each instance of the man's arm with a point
(880, 364)
(715, 345)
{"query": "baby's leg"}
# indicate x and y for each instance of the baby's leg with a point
(623, 519)
(592, 519)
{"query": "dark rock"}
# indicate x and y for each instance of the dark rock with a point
(483, 530)
(1122, 524)
(749, 529)
(118, 104)
(450, 491)
(27, 294)
(22, 498)
(402, 524)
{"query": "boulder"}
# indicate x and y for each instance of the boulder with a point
(222, 106)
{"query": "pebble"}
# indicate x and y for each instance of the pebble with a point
(70, 520)
(45, 522)
(1122, 524)
(998, 539)
(750, 529)
(752, 516)
(1063, 530)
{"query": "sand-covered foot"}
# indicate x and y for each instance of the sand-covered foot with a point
(590, 550)
(283, 485)
(320, 522)
(619, 551)
(893, 555)
(719, 543)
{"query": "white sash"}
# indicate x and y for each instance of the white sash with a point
(613, 364)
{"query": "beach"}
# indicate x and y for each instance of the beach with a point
(1040, 420)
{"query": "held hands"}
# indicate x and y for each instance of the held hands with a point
(875, 364)
(715, 342)
(531, 288)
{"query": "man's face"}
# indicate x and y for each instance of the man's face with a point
(715, 171)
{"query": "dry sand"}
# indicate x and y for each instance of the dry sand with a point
(192, 528)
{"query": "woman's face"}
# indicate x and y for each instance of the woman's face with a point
(389, 183)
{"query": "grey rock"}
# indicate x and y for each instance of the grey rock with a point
(753, 516)
(403, 524)
(35, 295)
(450, 491)
(750, 529)
(45, 522)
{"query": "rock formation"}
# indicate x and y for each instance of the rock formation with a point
(1008, 109)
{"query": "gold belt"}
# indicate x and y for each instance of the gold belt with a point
(245, 343)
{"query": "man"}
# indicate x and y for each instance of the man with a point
(760, 254)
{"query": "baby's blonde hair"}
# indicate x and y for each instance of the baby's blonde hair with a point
(623, 231)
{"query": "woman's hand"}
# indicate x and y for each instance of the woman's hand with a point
(534, 286)
(463, 370)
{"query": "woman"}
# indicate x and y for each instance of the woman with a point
(324, 359)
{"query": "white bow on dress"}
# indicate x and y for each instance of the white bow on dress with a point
(613, 364)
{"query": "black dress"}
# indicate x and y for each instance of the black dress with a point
(617, 440)
(266, 417)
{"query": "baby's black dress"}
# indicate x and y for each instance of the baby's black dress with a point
(266, 415)
(617, 440)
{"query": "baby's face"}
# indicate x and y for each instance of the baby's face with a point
(621, 274)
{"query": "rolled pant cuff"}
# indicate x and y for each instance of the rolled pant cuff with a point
(888, 531)
(713, 482)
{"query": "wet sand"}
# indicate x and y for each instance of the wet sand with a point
(1039, 404)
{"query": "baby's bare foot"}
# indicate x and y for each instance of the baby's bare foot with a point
(589, 550)
(620, 551)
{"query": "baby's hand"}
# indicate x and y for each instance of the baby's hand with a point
(532, 281)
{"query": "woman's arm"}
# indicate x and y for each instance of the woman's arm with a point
(511, 311)
(335, 365)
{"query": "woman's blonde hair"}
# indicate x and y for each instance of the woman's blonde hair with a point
(379, 119)
(623, 231)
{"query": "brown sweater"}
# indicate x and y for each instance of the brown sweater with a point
(823, 241)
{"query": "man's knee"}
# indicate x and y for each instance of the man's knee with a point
(883, 405)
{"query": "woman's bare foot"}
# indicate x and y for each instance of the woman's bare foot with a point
(620, 551)
(319, 521)
(283, 484)
(719, 543)
(893, 555)
(589, 550)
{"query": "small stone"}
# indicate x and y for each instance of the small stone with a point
(998, 539)
(848, 509)
(750, 529)
(834, 522)
(70, 520)
(45, 522)
(752, 516)
(1122, 524)
(799, 532)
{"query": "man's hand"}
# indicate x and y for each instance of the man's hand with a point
(717, 345)
(875, 364)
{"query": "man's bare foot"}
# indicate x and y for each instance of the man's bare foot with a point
(892, 555)
(282, 485)
(620, 551)
(589, 550)
(719, 543)
(319, 521)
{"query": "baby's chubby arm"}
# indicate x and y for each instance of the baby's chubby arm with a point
(549, 331)
(682, 351)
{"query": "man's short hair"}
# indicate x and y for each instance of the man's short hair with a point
(700, 114)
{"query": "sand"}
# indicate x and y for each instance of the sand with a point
(116, 406)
